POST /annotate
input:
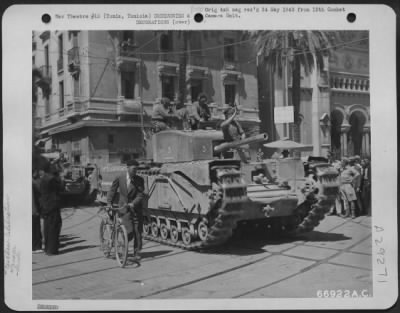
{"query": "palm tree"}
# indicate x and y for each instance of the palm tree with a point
(299, 49)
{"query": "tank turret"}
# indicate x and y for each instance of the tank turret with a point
(171, 146)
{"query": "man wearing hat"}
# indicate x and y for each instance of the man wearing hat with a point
(131, 202)
(51, 185)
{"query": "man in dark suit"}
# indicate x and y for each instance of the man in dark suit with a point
(50, 187)
(131, 199)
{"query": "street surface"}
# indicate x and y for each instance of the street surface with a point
(335, 256)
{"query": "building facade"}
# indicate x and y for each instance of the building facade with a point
(349, 96)
(335, 102)
(104, 85)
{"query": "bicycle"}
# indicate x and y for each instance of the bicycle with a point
(113, 236)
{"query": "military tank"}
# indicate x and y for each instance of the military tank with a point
(196, 197)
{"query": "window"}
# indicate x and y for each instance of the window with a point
(46, 59)
(230, 94)
(60, 61)
(61, 93)
(110, 139)
(195, 89)
(128, 35)
(168, 87)
(229, 50)
(76, 87)
(77, 159)
(60, 46)
(128, 84)
(47, 106)
(166, 42)
(33, 60)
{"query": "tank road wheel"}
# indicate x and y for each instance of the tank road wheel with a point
(154, 229)
(146, 227)
(186, 236)
(202, 230)
(164, 231)
(174, 234)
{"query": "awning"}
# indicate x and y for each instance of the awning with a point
(51, 155)
(285, 144)
(42, 142)
(94, 123)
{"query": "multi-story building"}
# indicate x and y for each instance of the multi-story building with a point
(334, 105)
(349, 95)
(104, 85)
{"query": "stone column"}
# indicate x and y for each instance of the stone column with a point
(365, 141)
(344, 129)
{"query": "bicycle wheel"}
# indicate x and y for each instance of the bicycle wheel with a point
(121, 245)
(105, 238)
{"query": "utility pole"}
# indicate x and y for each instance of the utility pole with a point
(141, 106)
(286, 132)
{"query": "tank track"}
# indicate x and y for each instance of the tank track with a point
(227, 204)
(320, 197)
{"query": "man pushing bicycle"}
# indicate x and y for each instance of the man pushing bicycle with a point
(131, 203)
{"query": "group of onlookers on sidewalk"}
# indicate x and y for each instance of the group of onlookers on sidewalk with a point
(354, 198)
(47, 185)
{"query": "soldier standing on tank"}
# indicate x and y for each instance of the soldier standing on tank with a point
(231, 128)
(131, 203)
(232, 131)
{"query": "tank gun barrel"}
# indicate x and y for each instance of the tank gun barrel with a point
(236, 144)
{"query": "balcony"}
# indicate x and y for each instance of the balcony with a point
(127, 57)
(168, 64)
(196, 67)
(349, 83)
(129, 105)
(60, 64)
(73, 61)
(231, 65)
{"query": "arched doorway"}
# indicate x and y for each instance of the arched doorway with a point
(357, 121)
(336, 122)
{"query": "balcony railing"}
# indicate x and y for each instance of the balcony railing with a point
(349, 83)
(61, 112)
(73, 107)
(60, 64)
(230, 65)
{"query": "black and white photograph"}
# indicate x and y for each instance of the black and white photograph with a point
(186, 163)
